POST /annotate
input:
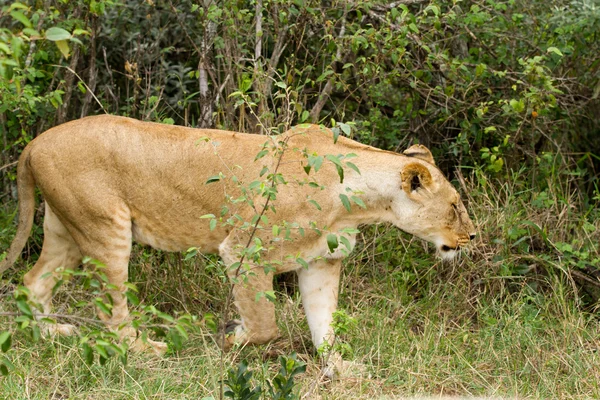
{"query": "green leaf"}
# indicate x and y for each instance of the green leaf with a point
(517, 105)
(346, 243)
(480, 69)
(332, 242)
(16, 4)
(88, 354)
(5, 341)
(57, 34)
(324, 75)
(316, 162)
(102, 306)
(302, 262)
(304, 116)
(24, 307)
(80, 32)
(102, 351)
(22, 18)
(6, 366)
(132, 297)
(336, 134)
(212, 179)
(345, 202)
(352, 166)
(345, 128)
(261, 154)
(550, 50)
(63, 46)
(334, 159)
(176, 339)
(314, 203)
(358, 201)
(206, 216)
(338, 165)
(433, 8)
(212, 224)
(165, 317)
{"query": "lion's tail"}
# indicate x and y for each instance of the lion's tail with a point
(26, 193)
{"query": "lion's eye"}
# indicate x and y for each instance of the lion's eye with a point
(454, 210)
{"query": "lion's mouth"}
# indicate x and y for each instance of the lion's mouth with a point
(448, 253)
(448, 248)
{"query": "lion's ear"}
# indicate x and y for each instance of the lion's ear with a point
(420, 151)
(414, 177)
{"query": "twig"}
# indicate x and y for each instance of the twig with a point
(84, 84)
(229, 298)
(112, 83)
(9, 165)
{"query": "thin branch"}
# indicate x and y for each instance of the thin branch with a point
(229, 299)
(83, 83)
(112, 83)
(76, 318)
(8, 165)
(326, 92)
(259, 32)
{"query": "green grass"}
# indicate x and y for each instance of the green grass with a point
(508, 320)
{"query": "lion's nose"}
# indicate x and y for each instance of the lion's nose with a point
(472, 236)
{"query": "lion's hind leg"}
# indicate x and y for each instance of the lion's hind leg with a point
(58, 250)
(109, 241)
(251, 289)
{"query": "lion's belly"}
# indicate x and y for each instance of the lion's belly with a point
(176, 237)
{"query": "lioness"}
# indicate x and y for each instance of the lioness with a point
(109, 180)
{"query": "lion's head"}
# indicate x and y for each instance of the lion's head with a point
(429, 207)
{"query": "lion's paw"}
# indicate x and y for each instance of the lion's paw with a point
(60, 329)
(336, 368)
(148, 346)
(231, 334)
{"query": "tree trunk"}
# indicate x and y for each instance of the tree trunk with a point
(93, 71)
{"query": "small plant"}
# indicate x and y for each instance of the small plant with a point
(94, 338)
(239, 383)
(282, 386)
(240, 386)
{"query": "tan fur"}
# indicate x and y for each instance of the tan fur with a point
(109, 180)
(419, 151)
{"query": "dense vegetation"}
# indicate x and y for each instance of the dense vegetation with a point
(505, 93)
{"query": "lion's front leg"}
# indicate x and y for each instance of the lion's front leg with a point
(257, 323)
(319, 286)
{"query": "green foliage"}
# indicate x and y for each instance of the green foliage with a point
(94, 341)
(241, 387)
(239, 384)
(282, 385)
